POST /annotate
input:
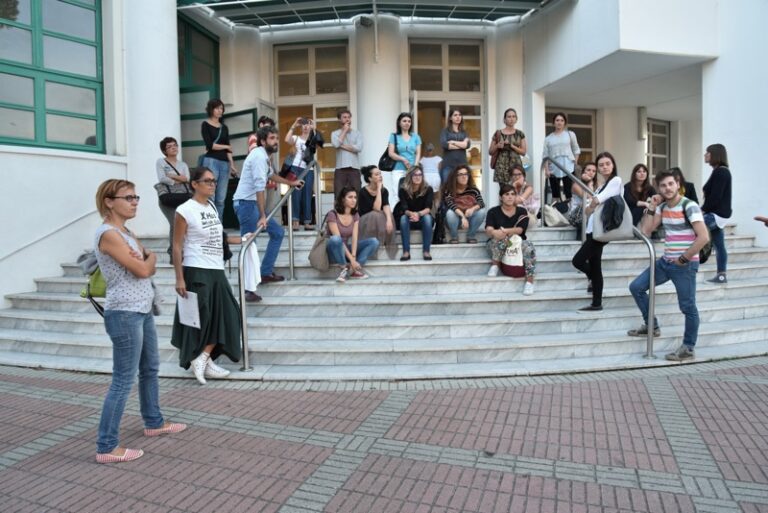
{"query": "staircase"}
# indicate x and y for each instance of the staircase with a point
(417, 319)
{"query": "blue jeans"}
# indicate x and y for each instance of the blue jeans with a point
(365, 248)
(475, 221)
(684, 279)
(425, 224)
(301, 199)
(718, 241)
(248, 214)
(134, 348)
(220, 170)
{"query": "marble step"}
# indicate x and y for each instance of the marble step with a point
(305, 239)
(410, 285)
(418, 326)
(409, 351)
(463, 250)
(469, 302)
(449, 268)
(388, 372)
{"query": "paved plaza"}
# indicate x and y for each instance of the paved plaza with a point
(671, 439)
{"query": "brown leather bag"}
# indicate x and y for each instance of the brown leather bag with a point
(494, 153)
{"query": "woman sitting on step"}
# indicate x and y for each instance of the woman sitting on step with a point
(375, 212)
(416, 204)
(198, 259)
(464, 206)
(344, 248)
(501, 223)
(127, 267)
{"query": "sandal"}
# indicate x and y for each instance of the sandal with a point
(454, 241)
(308, 227)
(471, 241)
(295, 225)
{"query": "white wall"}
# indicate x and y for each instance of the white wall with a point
(670, 27)
(567, 38)
(734, 106)
(152, 99)
(51, 212)
(617, 133)
(690, 152)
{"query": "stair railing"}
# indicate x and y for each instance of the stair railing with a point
(250, 240)
(639, 234)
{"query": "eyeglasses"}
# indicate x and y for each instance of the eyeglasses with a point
(207, 181)
(129, 198)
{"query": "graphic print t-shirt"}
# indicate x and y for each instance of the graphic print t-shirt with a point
(203, 243)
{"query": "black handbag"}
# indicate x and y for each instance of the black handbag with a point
(173, 195)
(387, 163)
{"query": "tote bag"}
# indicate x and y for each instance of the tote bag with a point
(512, 260)
(625, 231)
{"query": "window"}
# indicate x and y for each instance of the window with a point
(446, 67)
(312, 70)
(657, 146)
(51, 91)
(581, 123)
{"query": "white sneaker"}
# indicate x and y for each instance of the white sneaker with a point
(213, 371)
(528, 289)
(342, 275)
(198, 366)
(493, 271)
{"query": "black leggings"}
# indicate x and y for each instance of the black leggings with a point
(554, 185)
(588, 259)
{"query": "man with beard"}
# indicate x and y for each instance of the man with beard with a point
(250, 202)
(685, 234)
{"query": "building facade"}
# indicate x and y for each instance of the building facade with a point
(89, 87)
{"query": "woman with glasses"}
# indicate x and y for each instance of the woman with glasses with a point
(218, 151)
(405, 149)
(455, 143)
(127, 267)
(464, 206)
(198, 259)
(416, 200)
(170, 171)
(524, 195)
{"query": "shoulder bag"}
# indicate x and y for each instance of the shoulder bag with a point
(173, 195)
(494, 153)
(608, 230)
(387, 163)
(318, 255)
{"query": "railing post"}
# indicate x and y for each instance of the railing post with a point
(651, 256)
(241, 266)
(318, 197)
(291, 273)
(583, 215)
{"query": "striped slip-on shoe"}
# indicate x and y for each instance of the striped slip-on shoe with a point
(167, 429)
(129, 455)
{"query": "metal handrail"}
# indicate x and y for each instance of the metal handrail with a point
(241, 260)
(651, 254)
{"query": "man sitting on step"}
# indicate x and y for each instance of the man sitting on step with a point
(686, 234)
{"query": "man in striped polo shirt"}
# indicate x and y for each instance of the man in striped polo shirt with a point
(685, 234)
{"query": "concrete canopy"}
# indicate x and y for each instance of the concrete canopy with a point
(272, 13)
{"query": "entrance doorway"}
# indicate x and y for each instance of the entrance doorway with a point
(431, 118)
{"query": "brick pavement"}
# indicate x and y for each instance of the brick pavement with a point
(674, 439)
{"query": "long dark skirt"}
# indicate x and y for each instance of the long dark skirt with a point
(219, 318)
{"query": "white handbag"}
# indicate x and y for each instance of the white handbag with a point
(625, 231)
